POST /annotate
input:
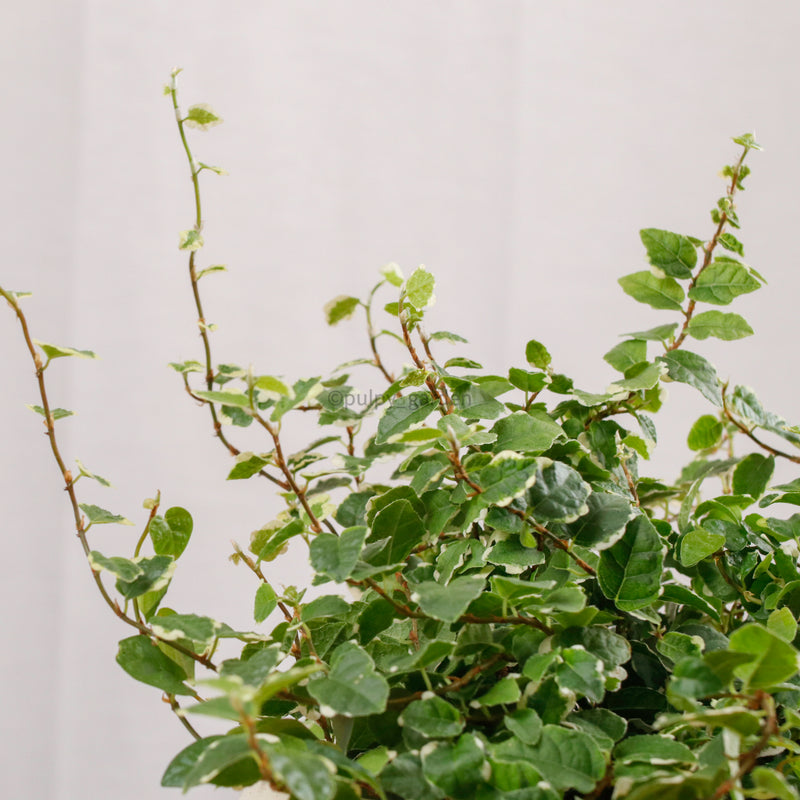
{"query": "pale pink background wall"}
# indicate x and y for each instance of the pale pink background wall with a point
(514, 147)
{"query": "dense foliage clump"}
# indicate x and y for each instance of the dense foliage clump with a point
(529, 616)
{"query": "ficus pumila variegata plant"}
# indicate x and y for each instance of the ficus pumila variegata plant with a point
(516, 611)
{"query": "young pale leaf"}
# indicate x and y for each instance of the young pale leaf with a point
(448, 603)
(341, 307)
(190, 240)
(722, 281)
(639, 377)
(705, 433)
(402, 413)
(661, 293)
(202, 117)
(673, 254)
(720, 324)
(687, 367)
(142, 660)
(419, 288)
(226, 398)
(92, 475)
(352, 688)
(537, 355)
(57, 351)
(630, 571)
(774, 662)
(392, 274)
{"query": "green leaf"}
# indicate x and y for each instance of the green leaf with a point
(455, 768)
(658, 334)
(720, 324)
(522, 431)
(505, 692)
(447, 603)
(221, 754)
(336, 556)
(265, 603)
(341, 307)
(629, 572)
(705, 433)
(506, 477)
(432, 718)
(214, 267)
(247, 465)
(605, 521)
(752, 475)
(747, 140)
(402, 413)
(525, 724)
(99, 516)
(768, 783)
(653, 749)
(528, 381)
(142, 660)
(307, 776)
(201, 116)
(775, 660)
(624, 355)
(352, 688)
(123, 568)
(567, 759)
(559, 493)
(581, 672)
(399, 525)
(687, 367)
(661, 293)
(270, 542)
(782, 623)
(56, 413)
(174, 627)
(746, 405)
(638, 377)
(170, 534)
(93, 476)
(673, 254)
(537, 355)
(269, 383)
(329, 605)
(58, 351)
(730, 242)
(698, 544)
(156, 574)
(419, 288)
(722, 281)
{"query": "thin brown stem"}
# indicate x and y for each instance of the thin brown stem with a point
(708, 253)
(181, 715)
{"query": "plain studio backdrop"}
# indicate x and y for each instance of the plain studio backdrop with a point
(515, 148)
